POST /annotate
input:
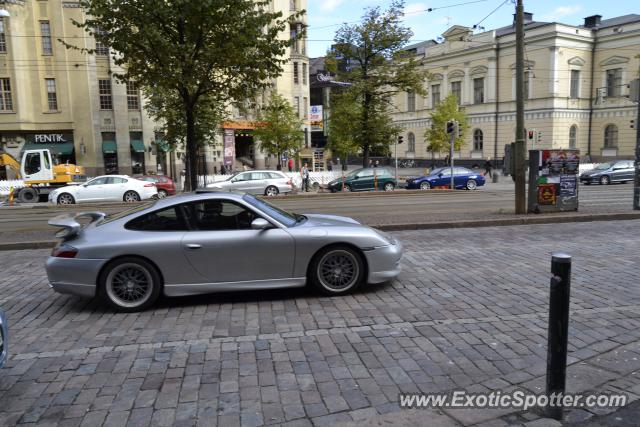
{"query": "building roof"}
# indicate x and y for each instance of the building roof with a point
(619, 20)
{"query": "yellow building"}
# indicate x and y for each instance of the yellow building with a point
(576, 82)
(66, 100)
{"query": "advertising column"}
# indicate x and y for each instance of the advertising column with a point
(229, 148)
(553, 180)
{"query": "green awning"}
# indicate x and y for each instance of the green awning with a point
(163, 145)
(137, 146)
(62, 149)
(109, 147)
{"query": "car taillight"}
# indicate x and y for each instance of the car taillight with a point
(151, 184)
(64, 251)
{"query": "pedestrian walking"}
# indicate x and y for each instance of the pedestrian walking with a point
(376, 164)
(487, 168)
(305, 177)
(370, 163)
(329, 167)
(223, 169)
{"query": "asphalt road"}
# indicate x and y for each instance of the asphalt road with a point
(374, 209)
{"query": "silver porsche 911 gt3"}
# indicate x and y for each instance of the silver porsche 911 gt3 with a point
(212, 241)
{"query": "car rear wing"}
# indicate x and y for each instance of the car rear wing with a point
(69, 225)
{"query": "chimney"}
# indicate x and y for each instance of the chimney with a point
(528, 18)
(592, 21)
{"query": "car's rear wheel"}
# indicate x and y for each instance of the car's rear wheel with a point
(471, 184)
(130, 284)
(271, 191)
(66, 199)
(425, 185)
(605, 180)
(337, 270)
(389, 186)
(162, 194)
(131, 196)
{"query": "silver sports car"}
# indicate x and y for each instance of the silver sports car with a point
(213, 241)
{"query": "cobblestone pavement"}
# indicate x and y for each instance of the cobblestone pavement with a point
(468, 312)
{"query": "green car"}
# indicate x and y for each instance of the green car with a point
(364, 180)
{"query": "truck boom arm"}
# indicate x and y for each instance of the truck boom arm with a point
(7, 159)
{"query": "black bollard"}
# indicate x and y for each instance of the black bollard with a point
(558, 330)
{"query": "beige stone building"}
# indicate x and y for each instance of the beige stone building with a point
(576, 82)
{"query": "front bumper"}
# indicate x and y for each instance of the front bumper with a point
(589, 179)
(384, 262)
(74, 276)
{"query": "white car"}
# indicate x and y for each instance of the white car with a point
(265, 182)
(121, 188)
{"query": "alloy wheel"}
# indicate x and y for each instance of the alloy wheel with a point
(129, 285)
(338, 270)
(472, 185)
(271, 191)
(131, 196)
(388, 187)
(604, 180)
(65, 199)
(162, 194)
(425, 185)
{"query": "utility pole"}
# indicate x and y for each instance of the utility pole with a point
(521, 195)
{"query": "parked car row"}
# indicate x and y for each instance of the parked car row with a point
(608, 173)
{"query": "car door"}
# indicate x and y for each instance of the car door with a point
(363, 180)
(460, 177)
(223, 248)
(93, 190)
(115, 188)
(444, 178)
(241, 182)
(259, 182)
(630, 171)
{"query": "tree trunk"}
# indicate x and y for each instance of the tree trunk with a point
(365, 130)
(191, 176)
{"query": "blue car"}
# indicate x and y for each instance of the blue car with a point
(441, 177)
(4, 339)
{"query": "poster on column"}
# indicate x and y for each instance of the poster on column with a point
(229, 147)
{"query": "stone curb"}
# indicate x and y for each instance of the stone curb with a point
(500, 222)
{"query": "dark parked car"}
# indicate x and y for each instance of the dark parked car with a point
(164, 184)
(4, 339)
(606, 173)
(364, 180)
(441, 177)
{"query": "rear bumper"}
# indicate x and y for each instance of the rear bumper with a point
(74, 276)
(384, 263)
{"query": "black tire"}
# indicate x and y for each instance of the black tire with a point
(471, 185)
(425, 185)
(66, 199)
(162, 194)
(131, 196)
(28, 195)
(389, 186)
(605, 180)
(347, 188)
(271, 191)
(344, 258)
(113, 292)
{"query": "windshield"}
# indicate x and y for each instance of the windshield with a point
(117, 215)
(603, 166)
(352, 174)
(275, 212)
(436, 171)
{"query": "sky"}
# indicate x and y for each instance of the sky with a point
(323, 15)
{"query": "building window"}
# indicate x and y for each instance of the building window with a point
(101, 48)
(45, 33)
(296, 75)
(52, 96)
(106, 102)
(3, 40)
(304, 73)
(575, 84)
(611, 136)
(478, 91)
(296, 105)
(456, 90)
(411, 101)
(133, 96)
(614, 81)
(411, 148)
(478, 140)
(294, 32)
(573, 136)
(6, 104)
(435, 95)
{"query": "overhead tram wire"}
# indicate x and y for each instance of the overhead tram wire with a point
(492, 12)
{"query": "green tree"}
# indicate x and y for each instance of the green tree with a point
(198, 56)
(436, 136)
(279, 129)
(369, 56)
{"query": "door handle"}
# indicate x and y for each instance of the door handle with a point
(192, 246)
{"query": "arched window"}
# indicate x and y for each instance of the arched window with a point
(573, 136)
(412, 143)
(611, 136)
(477, 140)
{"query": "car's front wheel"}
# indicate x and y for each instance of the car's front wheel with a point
(271, 191)
(162, 194)
(346, 188)
(605, 180)
(471, 184)
(130, 284)
(337, 270)
(389, 186)
(424, 185)
(66, 199)
(131, 196)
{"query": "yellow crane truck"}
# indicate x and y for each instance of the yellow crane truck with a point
(40, 174)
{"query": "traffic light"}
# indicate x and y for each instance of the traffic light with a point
(530, 135)
(539, 139)
(459, 126)
(400, 138)
(451, 127)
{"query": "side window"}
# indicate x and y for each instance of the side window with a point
(243, 177)
(259, 175)
(169, 219)
(209, 215)
(32, 163)
(116, 180)
(365, 173)
(460, 171)
(98, 181)
(446, 172)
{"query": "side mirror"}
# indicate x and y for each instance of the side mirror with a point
(260, 224)
(440, 175)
